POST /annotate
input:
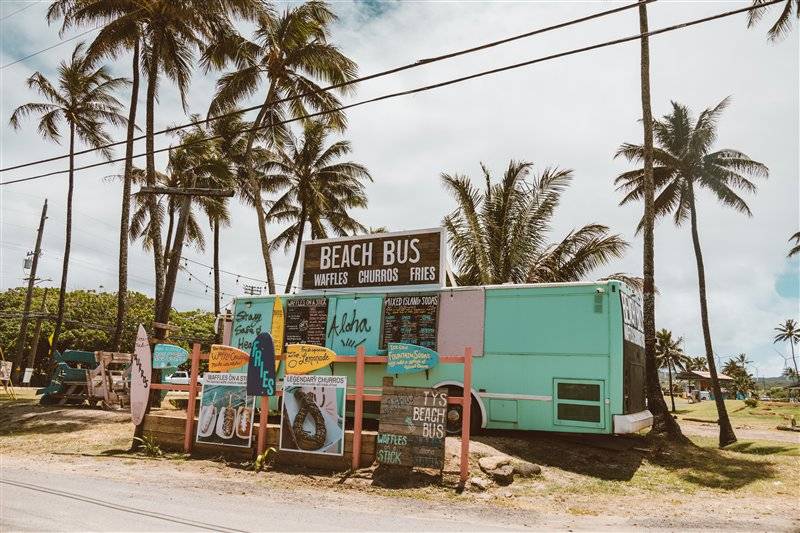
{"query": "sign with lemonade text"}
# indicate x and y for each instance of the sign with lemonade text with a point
(305, 358)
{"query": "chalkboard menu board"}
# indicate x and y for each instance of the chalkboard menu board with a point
(412, 427)
(306, 319)
(410, 319)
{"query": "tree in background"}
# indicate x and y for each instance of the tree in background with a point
(499, 234)
(794, 250)
(789, 332)
(121, 32)
(316, 187)
(669, 354)
(89, 322)
(289, 54)
(83, 99)
(697, 363)
(684, 163)
(782, 25)
(742, 381)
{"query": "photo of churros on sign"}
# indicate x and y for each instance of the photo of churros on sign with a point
(312, 418)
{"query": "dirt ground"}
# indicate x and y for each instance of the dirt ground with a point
(586, 482)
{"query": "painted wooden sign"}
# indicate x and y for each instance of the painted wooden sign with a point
(382, 260)
(227, 359)
(250, 317)
(305, 358)
(412, 427)
(353, 321)
(141, 375)
(261, 367)
(411, 319)
(407, 358)
(168, 356)
(277, 328)
(306, 319)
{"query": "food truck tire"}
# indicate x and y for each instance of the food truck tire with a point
(454, 412)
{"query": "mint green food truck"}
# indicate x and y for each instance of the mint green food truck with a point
(564, 357)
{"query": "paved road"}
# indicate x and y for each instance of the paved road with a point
(35, 501)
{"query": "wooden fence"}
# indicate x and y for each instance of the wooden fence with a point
(360, 394)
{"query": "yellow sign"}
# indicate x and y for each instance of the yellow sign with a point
(227, 359)
(303, 358)
(277, 329)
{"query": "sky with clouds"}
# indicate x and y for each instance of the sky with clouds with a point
(572, 113)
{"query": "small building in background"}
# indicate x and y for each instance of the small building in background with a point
(698, 385)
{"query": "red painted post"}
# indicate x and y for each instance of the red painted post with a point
(466, 404)
(359, 407)
(189, 430)
(262, 425)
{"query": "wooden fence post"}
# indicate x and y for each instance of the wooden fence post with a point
(189, 431)
(262, 425)
(466, 404)
(359, 407)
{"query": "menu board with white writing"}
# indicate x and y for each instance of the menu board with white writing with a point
(306, 320)
(411, 319)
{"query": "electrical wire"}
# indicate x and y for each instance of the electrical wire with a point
(43, 50)
(376, 75)
(425, 88)
(20, 10)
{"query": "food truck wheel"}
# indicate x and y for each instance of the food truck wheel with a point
(454, 413)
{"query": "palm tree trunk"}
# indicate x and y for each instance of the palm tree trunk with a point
(174, 260)
(662, 420)
(122, 286)
(215, 223)
(726, 435)
(262, 231)
(791, 345)
(298, 244)
(256, 189)
(671, 394)
(155, 219)
(62, 293)
(170, 228)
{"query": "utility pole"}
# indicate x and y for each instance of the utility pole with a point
(37, 330)
(23, 328)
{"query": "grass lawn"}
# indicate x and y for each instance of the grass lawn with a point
(766, 415)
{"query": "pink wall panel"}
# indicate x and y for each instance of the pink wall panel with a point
(461, 316)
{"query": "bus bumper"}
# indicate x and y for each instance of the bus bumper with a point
(632, 423)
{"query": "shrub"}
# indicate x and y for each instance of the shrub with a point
(751, 402)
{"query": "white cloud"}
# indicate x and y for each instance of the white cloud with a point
(573, 113)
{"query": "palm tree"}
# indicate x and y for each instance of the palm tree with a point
(789, 332)
(316, 187)
(697, 363)
(670, 354)
(288, 53)
(796, 248)
(684, 163)
(499, 235)
(782, 25)
(83, 99)
(121, 32)
(200, 164)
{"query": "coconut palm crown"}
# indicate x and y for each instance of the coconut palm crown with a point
(500, 234)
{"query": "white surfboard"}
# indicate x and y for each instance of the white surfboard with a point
(141, 375)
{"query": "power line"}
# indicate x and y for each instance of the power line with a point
(425, 88)
(43, 50)
(20, 10)
(376, 75)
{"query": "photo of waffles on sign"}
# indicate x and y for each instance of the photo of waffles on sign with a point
(312, 418)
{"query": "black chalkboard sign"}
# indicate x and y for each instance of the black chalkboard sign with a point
(411, 319)
(412, 427)
(306, 320)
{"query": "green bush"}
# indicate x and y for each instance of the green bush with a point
(751, 402)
